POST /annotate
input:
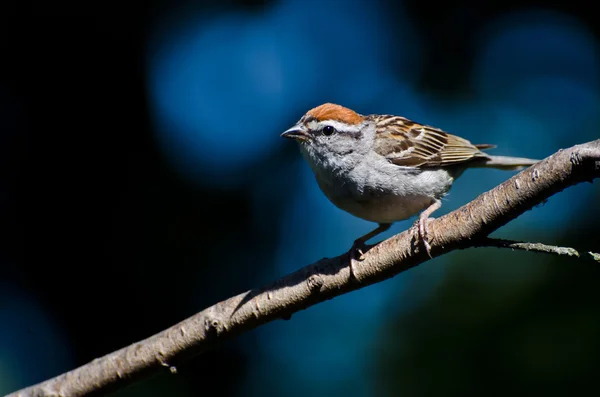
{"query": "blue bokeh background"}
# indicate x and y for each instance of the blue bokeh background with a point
(144, 179)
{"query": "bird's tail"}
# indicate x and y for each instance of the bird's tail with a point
(507, 163)
(501, 162)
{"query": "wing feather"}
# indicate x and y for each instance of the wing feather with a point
(406, 143)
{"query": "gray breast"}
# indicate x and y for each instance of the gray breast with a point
(384, 193)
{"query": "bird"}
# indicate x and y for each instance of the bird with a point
(384, 168)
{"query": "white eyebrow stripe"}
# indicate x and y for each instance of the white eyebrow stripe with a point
(339, 126)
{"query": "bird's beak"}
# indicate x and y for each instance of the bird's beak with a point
(298, 133)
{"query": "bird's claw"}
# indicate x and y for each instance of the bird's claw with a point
(423, 227)
(360, 248)
(357, 254)
(359, 251)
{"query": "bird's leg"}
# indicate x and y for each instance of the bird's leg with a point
(424, 224)
(359, 245)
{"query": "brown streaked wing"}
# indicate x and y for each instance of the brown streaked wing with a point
(406, 143)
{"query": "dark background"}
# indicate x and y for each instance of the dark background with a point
(129, 201)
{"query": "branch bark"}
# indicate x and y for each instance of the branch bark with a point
(466, 227)
(533, 247)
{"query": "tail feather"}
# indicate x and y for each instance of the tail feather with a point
(504, 162)
(482, 146)
(500, 162)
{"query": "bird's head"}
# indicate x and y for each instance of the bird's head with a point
(331, 130)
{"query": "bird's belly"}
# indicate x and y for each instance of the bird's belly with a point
(383, 209)
(385, 197)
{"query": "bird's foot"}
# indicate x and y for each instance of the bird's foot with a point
(423, 224)
(423, 228)
(357, 253)
(359, 248)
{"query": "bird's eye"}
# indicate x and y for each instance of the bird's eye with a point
(328, 130)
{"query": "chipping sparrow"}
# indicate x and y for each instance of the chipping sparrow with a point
(385, 168)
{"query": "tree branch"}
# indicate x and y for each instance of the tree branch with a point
(327, 278)
(533, 247)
